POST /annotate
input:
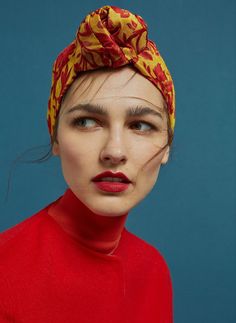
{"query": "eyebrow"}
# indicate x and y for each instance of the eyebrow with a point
(138, 111)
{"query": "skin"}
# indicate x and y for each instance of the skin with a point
(114, 142)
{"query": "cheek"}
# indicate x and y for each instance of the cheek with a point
(77, 160)
(145, 157)
(70, 152)
(148, 167)
(147, 176)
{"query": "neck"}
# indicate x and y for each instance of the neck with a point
(97, 232)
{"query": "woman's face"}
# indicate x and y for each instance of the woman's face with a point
(89, 143)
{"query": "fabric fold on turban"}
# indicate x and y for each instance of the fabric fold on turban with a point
(109, 37)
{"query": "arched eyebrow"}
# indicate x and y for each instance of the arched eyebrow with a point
(137, 111)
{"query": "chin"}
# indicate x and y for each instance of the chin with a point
(103, 204)
(105, 211)
(104, 207)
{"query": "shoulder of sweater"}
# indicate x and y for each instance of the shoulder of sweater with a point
(18, 235)
(145, 251)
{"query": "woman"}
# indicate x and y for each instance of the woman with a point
(111, 117)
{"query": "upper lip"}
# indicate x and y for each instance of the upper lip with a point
(111, 174)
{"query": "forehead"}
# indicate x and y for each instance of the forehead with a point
(124, 82)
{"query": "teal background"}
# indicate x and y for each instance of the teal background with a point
(190, 215)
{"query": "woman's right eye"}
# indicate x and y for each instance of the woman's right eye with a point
(82, 122)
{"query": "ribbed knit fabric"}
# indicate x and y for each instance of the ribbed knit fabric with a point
(66, 264)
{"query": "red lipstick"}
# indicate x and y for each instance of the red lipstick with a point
(111, 182)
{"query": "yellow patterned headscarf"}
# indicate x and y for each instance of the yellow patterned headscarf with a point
(111, 37)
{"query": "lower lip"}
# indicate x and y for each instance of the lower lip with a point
(112, 186)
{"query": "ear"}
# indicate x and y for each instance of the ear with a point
(56, 149)
(166, 155)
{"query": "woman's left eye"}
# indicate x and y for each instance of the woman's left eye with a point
(147, 126)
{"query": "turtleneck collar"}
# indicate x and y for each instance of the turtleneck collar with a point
(97, 232)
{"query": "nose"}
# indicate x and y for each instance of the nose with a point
(113, 151)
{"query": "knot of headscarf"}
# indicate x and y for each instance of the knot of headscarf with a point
(110, 37)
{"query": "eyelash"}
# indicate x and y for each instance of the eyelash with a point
(76, 120)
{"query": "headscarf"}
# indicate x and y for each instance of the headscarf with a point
(109, 37)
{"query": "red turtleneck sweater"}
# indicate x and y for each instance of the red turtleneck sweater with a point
(66, 264)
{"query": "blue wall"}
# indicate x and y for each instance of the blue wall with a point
(190, 215)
